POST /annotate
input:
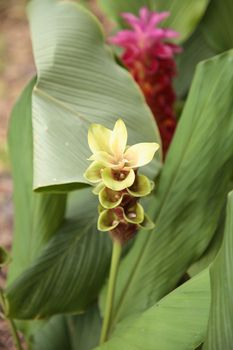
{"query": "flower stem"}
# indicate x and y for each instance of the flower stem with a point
(11, 323)
(116, 253)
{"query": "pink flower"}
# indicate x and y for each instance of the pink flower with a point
(149, 56)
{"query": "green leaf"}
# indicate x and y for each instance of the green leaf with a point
(195, 49)
(78, 83)
(178, 321)
(212, 250)
(61, 332)
(36, 216)
(219, 335)
(190, 196)
(185, 15)
(217, 25)
(70, 271)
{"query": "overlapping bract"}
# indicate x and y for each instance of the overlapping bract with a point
(114, 172)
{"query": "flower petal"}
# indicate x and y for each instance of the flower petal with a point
(110, 199)
(110, 181)
(118, 139)
(142, 186)
(4, 257)
(96, 190)
(93, 172)
(140, 154)
(99, 138)
(104, 158)
(134, 214)
(107, 220)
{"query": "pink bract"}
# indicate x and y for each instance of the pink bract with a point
(149, 56)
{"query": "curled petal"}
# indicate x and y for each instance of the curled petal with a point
(93, 172)
(118, 139)
(99, 138)
(4, 257)
(140, 154)
(141, 187)
(115, 181)
(107, 220)
(147, 224)
(96, 190)
(134, 214)
(110, 199)
(104, 158)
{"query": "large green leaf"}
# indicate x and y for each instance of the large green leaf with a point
(190, 196)
(36, 216)
(217, 25)
(220, 335)
(184, 15)
(178, 321)
(70, 271)
(78, 83)
(69, 332)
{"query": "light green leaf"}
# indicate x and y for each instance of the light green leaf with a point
(178, 321)
(78, 83)
(68, 274)
(190, 196)
(36, 216)
(217, 25)
(220, 326)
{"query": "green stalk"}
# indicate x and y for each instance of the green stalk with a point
(11, 323)
(116, 253)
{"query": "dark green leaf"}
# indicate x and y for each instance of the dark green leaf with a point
(69, 332)
(195, 49)
(217, 25)
(220, 335)
(68, 274)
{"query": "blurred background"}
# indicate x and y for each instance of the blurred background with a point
(16, 67)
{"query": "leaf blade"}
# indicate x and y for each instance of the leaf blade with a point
(184, 209)
(78, 83)
(219, 335)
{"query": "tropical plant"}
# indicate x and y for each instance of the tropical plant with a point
(170, 291)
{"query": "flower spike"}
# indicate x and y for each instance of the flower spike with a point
(113, 171)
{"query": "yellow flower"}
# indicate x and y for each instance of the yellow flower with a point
(113, 161)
